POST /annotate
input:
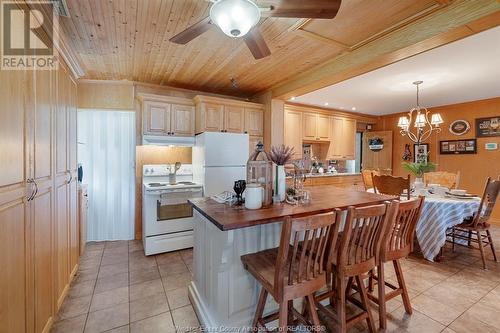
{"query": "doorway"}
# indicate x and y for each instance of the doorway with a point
(106, 152)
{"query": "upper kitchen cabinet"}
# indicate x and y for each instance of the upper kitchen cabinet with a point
(343, 139)
(254, 121)
(215, 114)
(293, 131)
(165, 115)
(316, 127)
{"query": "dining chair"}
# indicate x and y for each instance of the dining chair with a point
(398, 244)
(475, 226)
(367, 177)
(443, 178)
(357, 254)
(294, 270)
(390, 185)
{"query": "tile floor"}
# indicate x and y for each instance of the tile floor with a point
(119, 289)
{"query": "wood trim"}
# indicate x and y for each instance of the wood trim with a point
(451, 23)
(166, 99)
(225, 101)
(368, 119)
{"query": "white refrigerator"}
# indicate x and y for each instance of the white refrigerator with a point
(219, 159)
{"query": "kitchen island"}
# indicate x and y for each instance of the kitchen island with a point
(223, 294)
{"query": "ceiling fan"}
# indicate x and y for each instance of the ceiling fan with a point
(238, 18)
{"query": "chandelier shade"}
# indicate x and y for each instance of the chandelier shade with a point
(235, 17)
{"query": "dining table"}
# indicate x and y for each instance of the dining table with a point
(440, 213)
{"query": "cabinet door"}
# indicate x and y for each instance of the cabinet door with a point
(62, 240)
(182, 120)
(14, 220)
(349, 137)
(62, 123)
(72, 137)
(234, 119)
(74, 241)
(253, 141)
(213, 115)
(156, 118)
(293, 129)
(335, 148)
(254, 122)
(310, 125)
(323, 125)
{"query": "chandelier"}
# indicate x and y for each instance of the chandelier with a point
(419, 118)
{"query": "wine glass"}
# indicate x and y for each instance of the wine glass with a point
(239, 188)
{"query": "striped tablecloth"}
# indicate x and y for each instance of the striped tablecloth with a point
(439, 214)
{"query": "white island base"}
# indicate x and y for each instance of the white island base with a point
(224, 295)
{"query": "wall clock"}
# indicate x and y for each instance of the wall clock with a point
(459, 127)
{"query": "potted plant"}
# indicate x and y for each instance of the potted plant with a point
(280, 155)
(418, 169)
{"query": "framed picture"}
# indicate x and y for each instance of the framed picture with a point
(488, 127)
(458, 147)
(459, 127)
(420, 152)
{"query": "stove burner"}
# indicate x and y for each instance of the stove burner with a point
(156, 184)
(186, 183)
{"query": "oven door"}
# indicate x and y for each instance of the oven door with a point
(171, 212)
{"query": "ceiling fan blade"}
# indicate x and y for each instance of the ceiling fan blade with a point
(320, 9)
(257, 44)
(192, 32)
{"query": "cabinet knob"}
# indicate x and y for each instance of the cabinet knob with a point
(172, 133)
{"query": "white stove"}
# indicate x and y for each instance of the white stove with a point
(167, 217)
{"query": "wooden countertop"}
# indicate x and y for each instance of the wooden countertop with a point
(324, 199)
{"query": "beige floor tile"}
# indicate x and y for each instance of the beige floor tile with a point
(113, 269)
(73, 307)
(142, 263)
(73, 325)
(116, 244)
(448, 330)
(109, 298)
(121, 329)
(486, 313)
(148, 307)
(103, 320)
(80, 289)
(453, 295)
(111, 282)
(86, 275)
(168, 258)
(173, 269)
(399, 320)
(143, 275)
(468, 323)
(185, 319)
(160, 323)
(440, 312)
(178, 298)
(114, 259)
(146, 289)
(186, 254)
(177, 281)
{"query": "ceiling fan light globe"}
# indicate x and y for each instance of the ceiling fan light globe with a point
(235, 17)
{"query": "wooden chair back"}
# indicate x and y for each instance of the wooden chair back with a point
(386, 184)
(399, 239)
(443, 178)
(362, 237)
(490, 195)
(367, 177)
(313, 242)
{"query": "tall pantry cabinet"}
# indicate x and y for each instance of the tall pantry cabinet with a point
(38, 234)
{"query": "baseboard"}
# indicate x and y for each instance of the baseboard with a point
(63, 295)
(48, 325)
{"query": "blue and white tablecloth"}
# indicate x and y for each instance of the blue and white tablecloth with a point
(439, 214)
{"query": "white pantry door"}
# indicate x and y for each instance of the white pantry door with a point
(106, 150)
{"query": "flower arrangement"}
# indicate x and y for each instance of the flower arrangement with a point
(281, 154)
(419, 168)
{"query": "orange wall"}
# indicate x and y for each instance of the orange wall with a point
(474, 169)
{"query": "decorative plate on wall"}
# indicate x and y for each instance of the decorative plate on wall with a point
(459, 127)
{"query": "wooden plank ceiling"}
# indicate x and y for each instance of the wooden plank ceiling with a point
(129, 39)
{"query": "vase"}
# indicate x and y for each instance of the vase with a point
(418, 184)
(280, 183)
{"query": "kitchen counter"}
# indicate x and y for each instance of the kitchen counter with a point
(324, 199)
(338, 174)
(222, 292)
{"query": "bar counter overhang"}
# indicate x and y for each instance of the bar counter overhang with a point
(223, 294)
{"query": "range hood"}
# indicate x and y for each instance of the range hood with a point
(164, 140)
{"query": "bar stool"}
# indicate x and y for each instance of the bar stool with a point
(398, 244)
(294, 270)
(357, 254)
